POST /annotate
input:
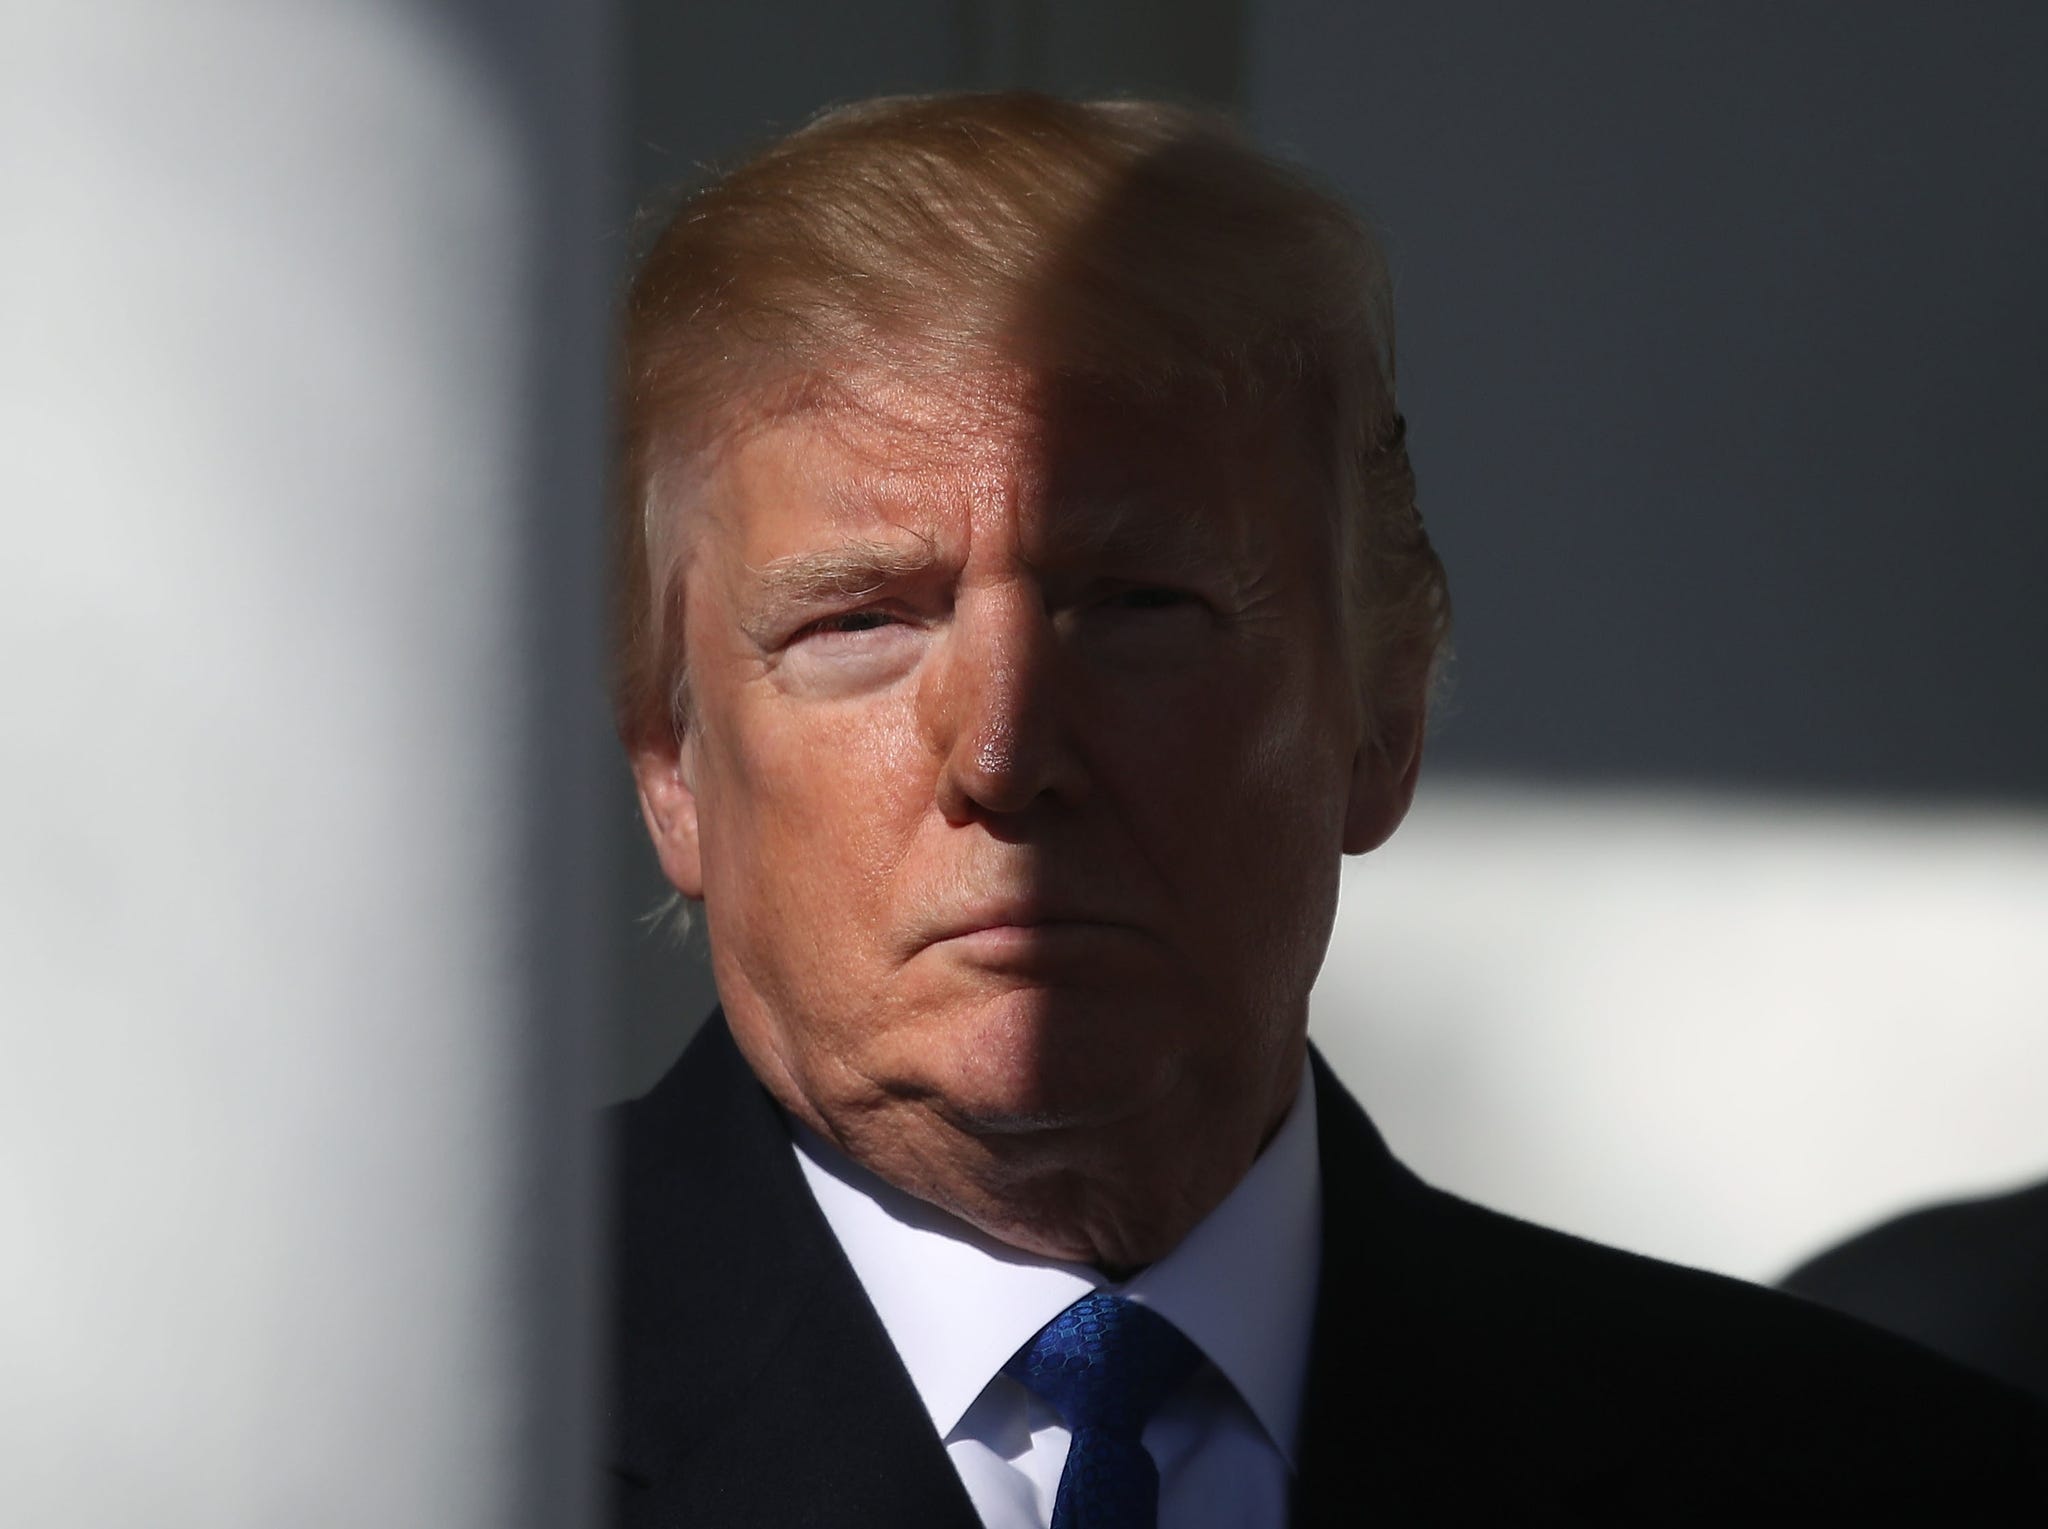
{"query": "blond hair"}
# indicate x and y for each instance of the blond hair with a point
(1143, 246)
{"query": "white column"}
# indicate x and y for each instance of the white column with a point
(299, 433)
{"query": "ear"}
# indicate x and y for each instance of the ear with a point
(1383, 776)
(668, 804)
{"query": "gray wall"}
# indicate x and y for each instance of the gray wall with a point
(1723, 355)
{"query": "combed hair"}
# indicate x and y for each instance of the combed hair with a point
(1130, 245)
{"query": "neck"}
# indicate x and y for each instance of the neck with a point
(1117, 1197)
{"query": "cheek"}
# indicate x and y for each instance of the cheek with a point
(805, 817)
(804, 805)
(1258, 739)
(1242, 800)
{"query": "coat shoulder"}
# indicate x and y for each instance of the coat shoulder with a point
(1710, 1374)
(1621, 1384)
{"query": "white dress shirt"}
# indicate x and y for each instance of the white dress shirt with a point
(1241, 1286)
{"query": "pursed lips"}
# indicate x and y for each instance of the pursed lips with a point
(1023, 921)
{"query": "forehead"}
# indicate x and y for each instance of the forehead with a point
(1072, 463)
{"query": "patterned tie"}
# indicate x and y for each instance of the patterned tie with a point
(1106, 1364)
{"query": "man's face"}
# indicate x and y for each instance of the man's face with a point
(1021, 755)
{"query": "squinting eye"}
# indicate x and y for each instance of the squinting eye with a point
(1151, 598)
(851, 621)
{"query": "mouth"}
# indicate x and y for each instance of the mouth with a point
(1015, 937)
(1028, 928)
(1025, 911)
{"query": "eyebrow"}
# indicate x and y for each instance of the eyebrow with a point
(788, 585)
(1135, 527)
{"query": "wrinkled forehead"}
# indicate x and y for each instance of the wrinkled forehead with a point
(1086, 457)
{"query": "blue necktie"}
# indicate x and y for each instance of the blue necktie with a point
(1106, 1364)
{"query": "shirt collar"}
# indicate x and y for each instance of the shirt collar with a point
(957, 1304)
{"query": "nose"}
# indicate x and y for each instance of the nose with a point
(998, 712)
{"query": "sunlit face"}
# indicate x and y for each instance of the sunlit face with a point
(1021, 757)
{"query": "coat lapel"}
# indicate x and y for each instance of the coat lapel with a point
(753, 1382)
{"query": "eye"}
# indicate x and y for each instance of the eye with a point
(847, 623)
(850, 653)
(1151, 597)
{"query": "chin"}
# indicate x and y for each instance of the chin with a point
(1041, 1061)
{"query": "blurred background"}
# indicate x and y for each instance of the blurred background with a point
(1717, 931)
